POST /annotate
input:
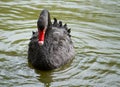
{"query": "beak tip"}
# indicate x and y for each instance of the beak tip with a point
(41, 43)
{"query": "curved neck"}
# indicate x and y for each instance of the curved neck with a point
(44, 25)
(44, 20)
(49, 21)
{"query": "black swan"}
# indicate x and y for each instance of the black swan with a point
(50, 47)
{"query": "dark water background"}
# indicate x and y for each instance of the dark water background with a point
(95, 28)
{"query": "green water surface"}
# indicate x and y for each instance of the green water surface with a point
(95, 26)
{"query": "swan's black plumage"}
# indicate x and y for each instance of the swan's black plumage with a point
(57, 49)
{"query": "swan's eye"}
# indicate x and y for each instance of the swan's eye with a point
(40, 25)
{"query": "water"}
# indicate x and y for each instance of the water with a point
(95, 28)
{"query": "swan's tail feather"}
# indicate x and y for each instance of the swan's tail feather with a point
(55, 22)
(60, 25)
(65, 26)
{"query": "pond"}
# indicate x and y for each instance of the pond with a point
(95, 30)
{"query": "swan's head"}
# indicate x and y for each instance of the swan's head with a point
(43, 23)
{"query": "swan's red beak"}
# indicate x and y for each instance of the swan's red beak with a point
(41, 36)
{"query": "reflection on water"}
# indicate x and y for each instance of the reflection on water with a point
(95, 33)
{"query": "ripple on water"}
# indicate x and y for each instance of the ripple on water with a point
(95, 34)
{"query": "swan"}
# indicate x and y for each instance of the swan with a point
(51, 46)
